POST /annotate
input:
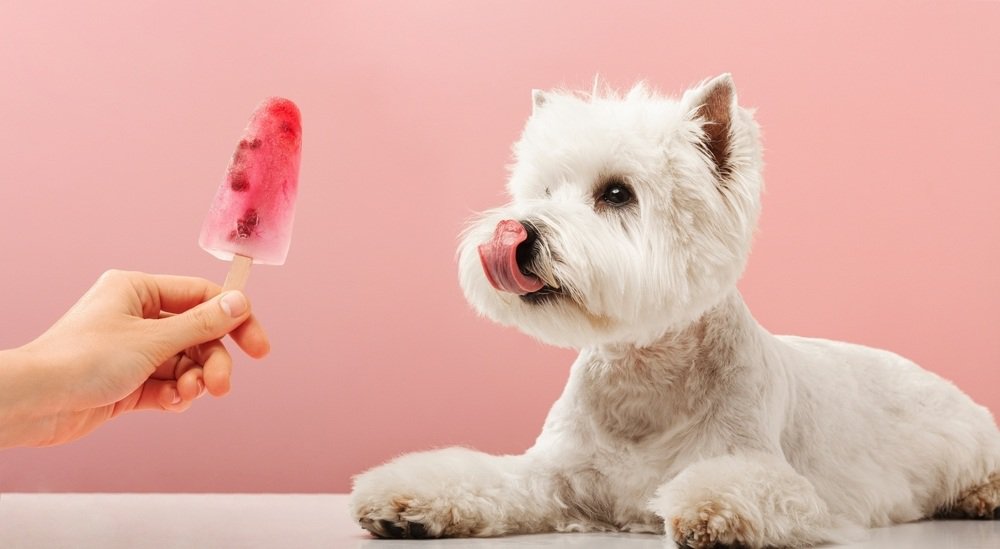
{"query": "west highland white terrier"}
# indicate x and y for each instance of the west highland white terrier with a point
(630, 221)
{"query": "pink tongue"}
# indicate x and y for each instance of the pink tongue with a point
(499, 257)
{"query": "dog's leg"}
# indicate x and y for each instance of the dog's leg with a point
(748, 501)
(454, 492)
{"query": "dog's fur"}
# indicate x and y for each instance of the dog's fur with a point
(682, 415)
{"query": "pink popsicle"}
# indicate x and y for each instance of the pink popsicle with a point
(250, 218)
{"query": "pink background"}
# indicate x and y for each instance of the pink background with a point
(881, 220)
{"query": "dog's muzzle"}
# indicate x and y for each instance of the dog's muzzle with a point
(505, 255)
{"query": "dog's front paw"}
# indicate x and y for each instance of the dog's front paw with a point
(452, 492)
(416, 510)
(747, 502)
(978, 502)
(712, 524)
(405, 517)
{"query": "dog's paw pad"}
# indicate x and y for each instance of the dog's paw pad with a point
(996, 514)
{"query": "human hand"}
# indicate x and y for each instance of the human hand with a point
(134, 341)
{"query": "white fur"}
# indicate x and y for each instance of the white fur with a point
(681, 415)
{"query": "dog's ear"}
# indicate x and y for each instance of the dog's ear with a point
(538, 99)
(713, 103)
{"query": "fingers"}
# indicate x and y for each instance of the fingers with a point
(182, 295)
(158, 394)
(216, 369)
(172, 396)
(252, 338)
(208, 366)
(190, 385)
(177, 294)
(202, 323)
(178, 382)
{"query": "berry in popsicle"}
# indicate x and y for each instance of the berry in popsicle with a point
(250, 218)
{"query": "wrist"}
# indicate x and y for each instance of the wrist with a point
(24, 391)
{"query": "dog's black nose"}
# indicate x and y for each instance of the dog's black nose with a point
(526, 250)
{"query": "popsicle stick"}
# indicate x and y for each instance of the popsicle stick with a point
(239, 272)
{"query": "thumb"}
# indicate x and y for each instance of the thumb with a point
(206, 321)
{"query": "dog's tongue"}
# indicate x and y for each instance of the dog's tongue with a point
(499, 257)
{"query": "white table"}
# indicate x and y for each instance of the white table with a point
(111, 521)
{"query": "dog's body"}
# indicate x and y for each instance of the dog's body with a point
(630, 224)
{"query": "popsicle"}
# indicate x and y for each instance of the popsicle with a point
(250, 218)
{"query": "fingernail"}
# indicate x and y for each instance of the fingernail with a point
(201, 387)
(176, 398)
(234, 303)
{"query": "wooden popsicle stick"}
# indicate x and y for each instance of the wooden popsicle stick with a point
(239, 272)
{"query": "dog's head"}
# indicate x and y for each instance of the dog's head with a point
(630, 216)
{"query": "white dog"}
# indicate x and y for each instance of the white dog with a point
(630, 222)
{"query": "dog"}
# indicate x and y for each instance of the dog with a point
(630, 222)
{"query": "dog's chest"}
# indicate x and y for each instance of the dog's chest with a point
(631, 436)
(631, 398)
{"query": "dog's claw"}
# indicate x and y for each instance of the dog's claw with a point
(391, 529)
(388, 529)
(382, 528)
(417, 530)
(369, 524)
(996, 514)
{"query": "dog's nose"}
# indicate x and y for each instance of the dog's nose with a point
(506, 254)
(525, 251)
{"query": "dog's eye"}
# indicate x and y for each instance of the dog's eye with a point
(617, 194)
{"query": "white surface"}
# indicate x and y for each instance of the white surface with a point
(110, 521)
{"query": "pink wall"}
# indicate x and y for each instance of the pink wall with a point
(880, 224)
